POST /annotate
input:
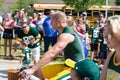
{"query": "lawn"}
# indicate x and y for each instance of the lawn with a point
(2, 48)
(58, 58)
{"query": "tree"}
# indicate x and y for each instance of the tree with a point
(24, 4)
(1, 7)
(117, 2)
(83, 5)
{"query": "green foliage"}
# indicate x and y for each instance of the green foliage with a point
(82, 5)
(24, 4)
(1, 7)
(117, 2)
(21, 4)
(30, 11)
(35, 1)
(14, 7)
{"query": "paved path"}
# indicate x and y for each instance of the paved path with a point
(5, 65)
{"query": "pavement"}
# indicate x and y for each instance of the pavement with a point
(6, 64)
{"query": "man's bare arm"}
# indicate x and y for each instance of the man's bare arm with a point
(63, 41)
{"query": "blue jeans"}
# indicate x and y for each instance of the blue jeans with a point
(48, 41)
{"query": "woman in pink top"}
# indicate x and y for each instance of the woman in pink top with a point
(80, 27)
(34, 18)
(8, 33)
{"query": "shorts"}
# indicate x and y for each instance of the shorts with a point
(103, 54)
(36, 53)
(8, 34)
(94, 47)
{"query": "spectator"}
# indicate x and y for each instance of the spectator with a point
(8, 33)
(102, 48)
(81, 29)
(87, 25)
(50, 35)
(17, 28)
(85, 20)
(30, 22)
(31, 36)
(43, 15)
(16, 15)
(34, 18)
(39, 25)
(111, 69)
(70, 22)
(94, 35)
(101, 19)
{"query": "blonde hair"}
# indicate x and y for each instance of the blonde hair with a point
(114, 24)
(9, 15)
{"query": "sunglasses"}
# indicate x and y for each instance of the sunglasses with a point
(23, 27)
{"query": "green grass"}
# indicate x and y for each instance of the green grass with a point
(2, 49)
(58, 58)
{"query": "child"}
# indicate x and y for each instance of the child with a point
(26, 55)
(94, 35)
(102, 48)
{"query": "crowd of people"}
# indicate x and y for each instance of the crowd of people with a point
(79, 42)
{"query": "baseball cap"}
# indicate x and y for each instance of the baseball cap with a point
(40, 14)
(85, 68)
(97, 22)
(84, 13)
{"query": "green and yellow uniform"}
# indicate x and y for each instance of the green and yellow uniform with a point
(113, 71)
(26, 54)
(27, 36)
(103, 43)
(94, 34)
(73, 50)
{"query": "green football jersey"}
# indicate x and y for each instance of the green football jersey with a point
(26, 52)
(27, 37)
(103, 43)
(94, 34)
(73, 50)
(113, 71)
